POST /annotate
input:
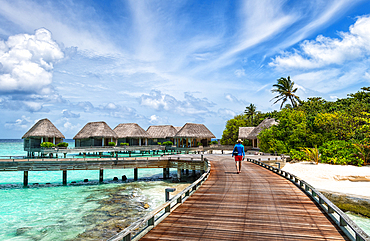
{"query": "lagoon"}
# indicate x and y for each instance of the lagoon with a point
(77, 211)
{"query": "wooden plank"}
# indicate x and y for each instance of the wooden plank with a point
(254, 205)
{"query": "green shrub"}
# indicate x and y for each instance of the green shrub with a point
(199, 144)
(167, 143)
(339, 152)
(123, 144)
(159, 143)
(312, 154)
(247, 143)
(62, 144)
(47, 145)
(214, 142)
(111, 143)
(363, 152)
(297, 155)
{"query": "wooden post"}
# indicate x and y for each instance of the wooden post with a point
(166, 172)
(101, 175)
(178, 173)
(25, 178)
(64, 177)
(135, 173)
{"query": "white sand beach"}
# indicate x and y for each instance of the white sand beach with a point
(349, 180)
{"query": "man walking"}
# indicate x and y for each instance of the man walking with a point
(239, 154)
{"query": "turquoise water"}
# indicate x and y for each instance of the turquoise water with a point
(362, 222)
(78, 211)
(11, 147)
(81, 211)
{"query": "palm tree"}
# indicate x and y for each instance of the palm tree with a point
(250, 111)
(285, 89)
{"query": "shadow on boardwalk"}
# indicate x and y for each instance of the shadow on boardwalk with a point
(253, 205)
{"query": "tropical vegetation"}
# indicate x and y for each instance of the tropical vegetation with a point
(47, 144)
(336, 132)
(286, 91)
(111, 143)
(62, 144)
(167, 143)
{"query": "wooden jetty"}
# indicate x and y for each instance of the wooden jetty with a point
(120, 149)
(70, 164)
(257, 204)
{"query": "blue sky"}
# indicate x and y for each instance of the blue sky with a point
(172, 62)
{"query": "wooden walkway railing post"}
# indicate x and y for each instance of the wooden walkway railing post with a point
(162, 211)
(351, 230)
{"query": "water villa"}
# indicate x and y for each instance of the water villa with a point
(161, 133)
(251, 133)
(42, 131)
(95, 134)
(132, 134)
(193, 135)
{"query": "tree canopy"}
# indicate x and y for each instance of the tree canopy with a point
(286, 91)
(339, 129)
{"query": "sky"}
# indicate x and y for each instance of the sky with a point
(172, 62)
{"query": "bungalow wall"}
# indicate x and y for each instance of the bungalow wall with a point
(155, 141)
(192, 142)
(131, 141)
(33, 143)
(87, 142)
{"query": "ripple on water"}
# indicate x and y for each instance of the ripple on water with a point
(75, 212)
(361, 221)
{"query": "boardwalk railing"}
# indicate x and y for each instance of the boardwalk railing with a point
(351, 230)
(139, 228)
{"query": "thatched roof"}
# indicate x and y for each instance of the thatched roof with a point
(161, 131)
(96, 129)
(244, 132)
(43, 128)
(131, 130)
(177, 128)
(266, 123)
(190, 130)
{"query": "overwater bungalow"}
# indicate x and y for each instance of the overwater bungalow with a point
(251, 133)
(42, 131)
(193, 135)
(161, 133)
(95, 134)
(132, 134)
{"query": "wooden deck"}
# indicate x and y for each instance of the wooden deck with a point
(256, 204)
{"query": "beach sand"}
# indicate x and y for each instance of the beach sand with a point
(347, 180)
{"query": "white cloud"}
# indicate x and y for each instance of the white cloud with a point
(20, 124)
(68, 114)
(239, 72)
(110, 106)
(324, 51)
(232, 98)
(27, 62)
(164, 102)
(157, 120)
(332, 79)
(226, 113)
(367, 75)
(69, 127)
